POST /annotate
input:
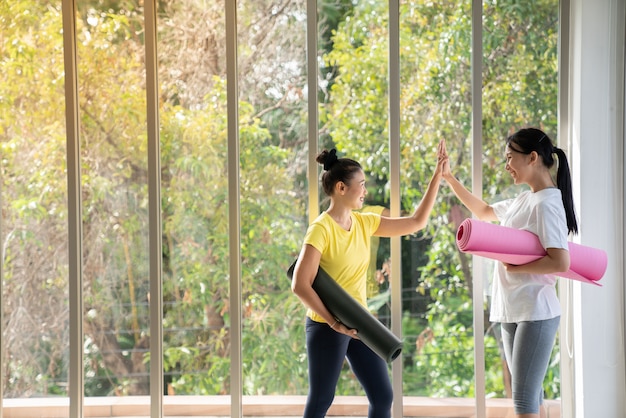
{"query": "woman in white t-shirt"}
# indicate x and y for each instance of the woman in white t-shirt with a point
(339, 242)
(524, 298)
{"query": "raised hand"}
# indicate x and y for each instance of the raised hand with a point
(443, 164)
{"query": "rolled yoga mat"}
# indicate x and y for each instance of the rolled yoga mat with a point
(355, 316)
(515, 246)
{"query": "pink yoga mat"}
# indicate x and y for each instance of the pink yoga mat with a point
(515, 246)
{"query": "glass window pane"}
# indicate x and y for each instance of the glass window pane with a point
(115, 200)
(272, 130)
(33, 196)
(197, 307)
(436, 104)
(520, 85)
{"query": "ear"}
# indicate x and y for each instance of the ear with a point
(340, 187)
(534, 157)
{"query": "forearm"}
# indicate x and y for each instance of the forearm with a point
(311, 300)
(555, 261)
(423, 210)
(476, 205)
(392, 227)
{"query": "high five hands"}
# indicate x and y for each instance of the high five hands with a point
(443, 165)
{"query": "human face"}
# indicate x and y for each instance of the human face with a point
(356, 191)
(517, 164)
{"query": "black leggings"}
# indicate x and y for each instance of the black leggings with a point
(327, 350)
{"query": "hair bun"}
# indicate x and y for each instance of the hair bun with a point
(331, 159)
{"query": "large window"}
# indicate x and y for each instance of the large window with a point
(353, 96)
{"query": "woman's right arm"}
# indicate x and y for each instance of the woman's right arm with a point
(302, 281)
(477, 206)
(481, 209)
(302, 285)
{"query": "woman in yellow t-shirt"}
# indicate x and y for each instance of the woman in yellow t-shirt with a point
(339, 242)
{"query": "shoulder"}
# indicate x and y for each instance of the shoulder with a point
(549, 200)
(368, 220)
(501, 208)
(365, 216)
(319, 232)
(321, 224)
(322, 219)
(378, 209)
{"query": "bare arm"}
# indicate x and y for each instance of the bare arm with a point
(477, 206)
(390, 227)
(302, 285)
(556, 261)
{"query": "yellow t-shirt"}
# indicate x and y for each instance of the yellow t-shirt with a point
(345, 254)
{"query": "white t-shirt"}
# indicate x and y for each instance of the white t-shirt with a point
(520, 297)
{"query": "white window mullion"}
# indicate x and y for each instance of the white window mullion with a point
(313, 114)
(74, 210)
(477, 186)
(566, 338)
(234, 238)
(395, 199)
(154, 208)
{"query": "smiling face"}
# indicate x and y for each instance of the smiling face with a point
(517, 164)
(354, 193)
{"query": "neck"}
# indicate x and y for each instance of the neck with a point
(541, 183)
(338, 212)
(341, 215)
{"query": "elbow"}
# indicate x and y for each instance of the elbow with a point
(484, 218)
(420, 220)
(297, 288)
(294, 288)
(421, 224)
(561, 261)
(486, 214)
(564, 265)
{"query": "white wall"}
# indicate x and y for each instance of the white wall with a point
(597, 161)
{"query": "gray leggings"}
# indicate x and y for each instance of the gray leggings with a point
(527, 347)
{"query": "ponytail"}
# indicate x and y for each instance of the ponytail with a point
(564, 183)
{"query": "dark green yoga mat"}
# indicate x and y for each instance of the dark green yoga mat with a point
(353, 315)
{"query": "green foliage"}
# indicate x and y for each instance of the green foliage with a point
(519, 88)
(196, 233)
